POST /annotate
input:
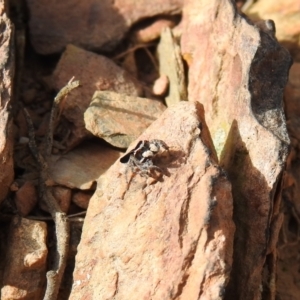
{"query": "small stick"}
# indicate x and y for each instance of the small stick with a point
(62, 229)
(152, 59)
(46, 218)
(132, 49)
(54, 111)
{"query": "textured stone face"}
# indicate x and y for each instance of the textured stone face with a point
(26, 198)
(286, 15)
(120, 119)
(94, 72)
(6, 82)
(26, 259)
(165, 239)
(88, 162)
(92, 24)
(238, 72)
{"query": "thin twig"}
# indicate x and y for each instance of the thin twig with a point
(82, 213)
(48, 218)
(55, 113)
(62, 229)
(152, 59)
(132, 49)
(31, 135)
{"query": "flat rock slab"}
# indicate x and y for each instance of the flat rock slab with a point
(94, 72)
(6, 84)
(91, 24)
(238, 73)
(26, 260)
(81, 167)
(120, 119)
(167, 239)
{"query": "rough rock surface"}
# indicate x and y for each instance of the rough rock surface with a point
(92, 24)
(63, 197)
(26, 198)
(286, 15)
(238, 74)
(94, 72)
(82, 199)
(81, 167)
(6, 81)
(120, 119)
(165, 239)
(25, 270)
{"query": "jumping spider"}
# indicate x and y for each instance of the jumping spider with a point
(140, 159)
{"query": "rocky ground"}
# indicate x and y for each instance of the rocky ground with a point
(203, 96)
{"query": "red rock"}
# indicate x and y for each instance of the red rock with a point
(81, 199)
(63, 197)
(161, 85)
(26, 198)
(129, 63)
(7, 73)
(94, 25)
(238, 72)
(94, 72)
(147, 239)
(26, 258)
(14, 187)
(81, 167)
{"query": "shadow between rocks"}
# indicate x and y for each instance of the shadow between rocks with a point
(267, 79)
(252, 207)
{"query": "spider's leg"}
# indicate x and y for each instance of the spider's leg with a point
(153, 170)
(135, 162)
(140, 167)
(160, 144)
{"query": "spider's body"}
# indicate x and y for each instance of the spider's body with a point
(140, 159)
